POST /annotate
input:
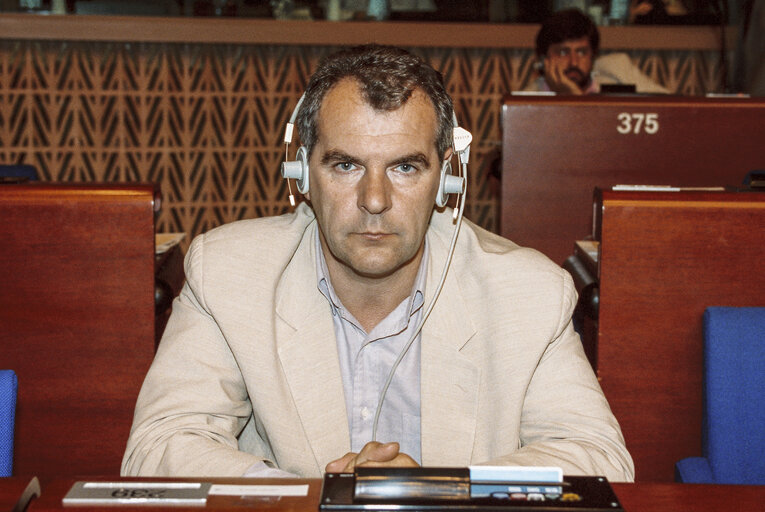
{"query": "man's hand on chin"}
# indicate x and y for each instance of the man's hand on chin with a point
(373, 454)
(558, 80)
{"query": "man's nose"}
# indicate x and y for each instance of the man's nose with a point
(374, 191)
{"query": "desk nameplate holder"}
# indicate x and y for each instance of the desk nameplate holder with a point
(138, 493)
(452, 490)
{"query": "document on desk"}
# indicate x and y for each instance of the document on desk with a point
(137, 493)
(259, 490)
(664, 188)
(168, 493)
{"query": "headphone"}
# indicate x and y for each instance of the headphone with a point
(297, 169)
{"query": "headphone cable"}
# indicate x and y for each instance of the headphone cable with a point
(425, 316)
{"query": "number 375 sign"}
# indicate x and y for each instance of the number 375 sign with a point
(637, 122)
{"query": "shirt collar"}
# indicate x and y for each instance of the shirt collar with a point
(324, 284)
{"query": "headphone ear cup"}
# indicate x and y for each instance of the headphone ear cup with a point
(298, 170)
(449, 184)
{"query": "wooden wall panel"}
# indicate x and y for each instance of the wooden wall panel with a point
(205, 121)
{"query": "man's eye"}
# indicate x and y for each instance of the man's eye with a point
(405, 168)
(563, 52)
(345, 166)
(584, 52)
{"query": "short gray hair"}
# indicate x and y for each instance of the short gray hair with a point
(387, 77)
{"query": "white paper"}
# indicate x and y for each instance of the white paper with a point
(516, 473)
(260, 490)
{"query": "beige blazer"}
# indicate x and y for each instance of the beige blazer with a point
(247, 369)
(618, 68)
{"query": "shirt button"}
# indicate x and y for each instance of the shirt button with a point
(365, 413)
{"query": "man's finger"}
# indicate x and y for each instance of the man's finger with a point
(340, 465)
(401, 460)
(377, 452)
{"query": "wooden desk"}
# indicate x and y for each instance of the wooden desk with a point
(556, 150)
(665, 257)
(653, 497)
(666, 497)
(16, 492)
(77, 317)
(52, 495)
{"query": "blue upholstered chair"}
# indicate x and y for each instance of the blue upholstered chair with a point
(8, 386)
(733, 442)
(22, 171)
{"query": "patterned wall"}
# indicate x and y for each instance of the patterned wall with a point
(206, 121)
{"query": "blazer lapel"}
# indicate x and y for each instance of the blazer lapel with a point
(449, 379)
(308, 354)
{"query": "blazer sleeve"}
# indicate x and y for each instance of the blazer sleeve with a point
(566, 420)
(619, 68)
(193, 403)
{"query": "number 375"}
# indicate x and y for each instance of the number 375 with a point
(637, 123)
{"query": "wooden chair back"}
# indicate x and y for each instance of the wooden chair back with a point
(76, 319)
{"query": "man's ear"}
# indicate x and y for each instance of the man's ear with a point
(447, 155)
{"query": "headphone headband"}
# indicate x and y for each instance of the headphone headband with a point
(449, 184)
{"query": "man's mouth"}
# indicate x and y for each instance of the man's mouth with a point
(373, 235)
(574, 74)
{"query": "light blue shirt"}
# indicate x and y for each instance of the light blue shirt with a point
(366, 360)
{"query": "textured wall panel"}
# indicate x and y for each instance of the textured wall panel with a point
(206, 121)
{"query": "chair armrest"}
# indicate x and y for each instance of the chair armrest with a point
(31, 492)
(694, 470)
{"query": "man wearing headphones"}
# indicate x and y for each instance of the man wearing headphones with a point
(335, 337)
(567, 49)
